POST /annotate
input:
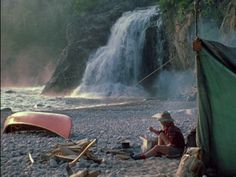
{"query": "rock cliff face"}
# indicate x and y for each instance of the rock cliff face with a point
(228, 26)
(181, 34)
(182, 42)
(87, 32)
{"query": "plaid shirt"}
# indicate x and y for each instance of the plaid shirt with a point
(175, 136)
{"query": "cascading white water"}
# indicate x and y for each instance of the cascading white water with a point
(114, 69)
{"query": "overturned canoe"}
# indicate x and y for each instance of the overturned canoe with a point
(57, 123)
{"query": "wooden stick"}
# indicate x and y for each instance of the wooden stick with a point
(84, 151)
(31, 158)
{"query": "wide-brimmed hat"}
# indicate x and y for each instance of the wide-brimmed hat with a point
(164, 117)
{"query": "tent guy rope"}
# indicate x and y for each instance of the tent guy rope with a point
(154, 71)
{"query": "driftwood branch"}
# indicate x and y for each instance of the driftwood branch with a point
(82, 153)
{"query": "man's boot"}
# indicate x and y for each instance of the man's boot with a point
(137, 156)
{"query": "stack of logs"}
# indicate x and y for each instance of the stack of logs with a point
(72, 152)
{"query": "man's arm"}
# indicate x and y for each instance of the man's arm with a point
(157, 132)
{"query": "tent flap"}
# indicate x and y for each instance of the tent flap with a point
(216, 77)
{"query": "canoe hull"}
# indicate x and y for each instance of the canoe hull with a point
(56, 123)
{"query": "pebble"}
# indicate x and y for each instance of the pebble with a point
(38, 105)
(94, 165)
(6, 110)
(102, 165)
(10, 91)
(52, 162)
(83, 163)
(107, 171)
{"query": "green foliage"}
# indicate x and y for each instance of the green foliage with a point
(180, 6)
(208, 2)
(87, 5)
(169, 4)
(211, 5)
(165, 4)
(183, 7)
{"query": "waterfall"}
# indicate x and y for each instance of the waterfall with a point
(113, 70)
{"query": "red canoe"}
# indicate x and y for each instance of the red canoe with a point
(57, 123)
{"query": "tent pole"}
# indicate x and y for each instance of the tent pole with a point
(197, 42)
(196, 5)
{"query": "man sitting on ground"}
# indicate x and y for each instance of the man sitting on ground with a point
(170, 139)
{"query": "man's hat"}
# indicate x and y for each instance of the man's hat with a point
(164, 117)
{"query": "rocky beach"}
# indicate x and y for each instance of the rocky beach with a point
(110, 124)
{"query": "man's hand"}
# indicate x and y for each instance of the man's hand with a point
(151, 129)
(169, 144)
(154, 130)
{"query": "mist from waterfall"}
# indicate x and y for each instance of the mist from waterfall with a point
(113, 70)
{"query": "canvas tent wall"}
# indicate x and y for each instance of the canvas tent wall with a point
(216, 130)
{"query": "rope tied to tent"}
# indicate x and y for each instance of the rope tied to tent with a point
(154, 71)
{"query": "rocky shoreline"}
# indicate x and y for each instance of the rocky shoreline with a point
(110, 125)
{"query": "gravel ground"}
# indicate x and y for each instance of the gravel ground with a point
(109, 125)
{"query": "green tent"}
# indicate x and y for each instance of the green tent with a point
(216, 130)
